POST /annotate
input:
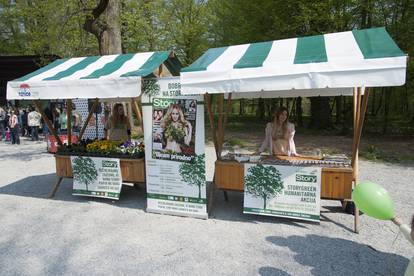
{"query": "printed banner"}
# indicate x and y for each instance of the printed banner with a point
(97, 177)
(282, 191)
(174, 152)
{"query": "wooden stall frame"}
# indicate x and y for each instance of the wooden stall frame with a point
(360, 99)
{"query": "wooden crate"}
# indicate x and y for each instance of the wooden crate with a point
(132, 170)
(336, 182)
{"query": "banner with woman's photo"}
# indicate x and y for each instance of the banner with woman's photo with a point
(175, 159)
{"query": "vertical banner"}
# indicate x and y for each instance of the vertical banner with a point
(282, 191)
(97, 177)
(174, 149)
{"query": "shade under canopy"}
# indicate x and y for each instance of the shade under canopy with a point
(105, 77)
(368, 58)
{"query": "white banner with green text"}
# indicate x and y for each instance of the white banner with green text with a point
(97, 177)
(174, 149)
(282, 191)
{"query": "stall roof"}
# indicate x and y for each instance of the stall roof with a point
(105, 77)
(350, 59)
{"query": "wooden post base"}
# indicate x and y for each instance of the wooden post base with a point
(56, 187)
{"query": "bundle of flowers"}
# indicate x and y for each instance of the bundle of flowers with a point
(104, 148)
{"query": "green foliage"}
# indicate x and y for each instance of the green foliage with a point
(84, 170)
(263, 181)
(194, 172)
(174, 133)
(236, 142)
(150, 87)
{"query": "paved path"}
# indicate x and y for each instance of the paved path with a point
(77, 235)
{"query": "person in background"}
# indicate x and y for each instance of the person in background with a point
(49, 115)
(118, 126)
(2, 123)
(63, 121)
(25, 127)
(279, 135)
(34, 123)
(76, 119)
(56, 115)
(14, 126)
(408, 232)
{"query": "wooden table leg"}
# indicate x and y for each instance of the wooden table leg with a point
(55, 188)
(226, 196)
(211, 198)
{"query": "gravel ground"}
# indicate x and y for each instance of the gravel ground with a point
(77, 235)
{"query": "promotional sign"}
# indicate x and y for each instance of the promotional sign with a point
(97, 177)
(282, 191)
(174, 152)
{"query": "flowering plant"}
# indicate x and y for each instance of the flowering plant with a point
(104, 148)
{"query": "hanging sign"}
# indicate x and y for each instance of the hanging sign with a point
(282, 191)
(174, 149)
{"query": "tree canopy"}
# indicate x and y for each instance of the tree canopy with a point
(49, 27)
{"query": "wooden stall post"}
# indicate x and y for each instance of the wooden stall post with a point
(47, 121)
(361, 107)
(137, 111)
(69, 120)
(85, 124)
(207, 98)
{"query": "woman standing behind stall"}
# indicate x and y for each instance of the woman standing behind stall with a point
(279, 135)
(118, 126)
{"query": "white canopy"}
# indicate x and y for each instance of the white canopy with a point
(105, 77)
(351, 59)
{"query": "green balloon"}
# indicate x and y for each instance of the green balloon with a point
(373, 200)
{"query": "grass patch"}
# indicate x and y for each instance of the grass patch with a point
(236, 142)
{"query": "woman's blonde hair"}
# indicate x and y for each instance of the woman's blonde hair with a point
(167, 118)
(116, 117)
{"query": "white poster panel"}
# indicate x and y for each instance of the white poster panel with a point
(282, 191)
(174, 149)
(96, 177)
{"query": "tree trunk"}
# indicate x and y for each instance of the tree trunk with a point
(320, 113)
(338, 110)
(199, 191)
(386, 109)
(260, 111)
(104, 24)
(241, 110)
(299, 112)
(110, 41)
(264, 203)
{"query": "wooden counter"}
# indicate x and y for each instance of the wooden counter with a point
(336, 182)
(132, 170)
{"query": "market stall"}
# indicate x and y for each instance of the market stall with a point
(345, 63)
(111, 78)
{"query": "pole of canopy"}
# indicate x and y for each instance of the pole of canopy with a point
(207, 98)
(69, 120)
(220, 106)
(137, 111)
(359, 121)
(90, 114)
(226, 115)
(47, 121)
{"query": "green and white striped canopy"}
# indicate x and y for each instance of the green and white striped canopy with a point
(111, 76)
(356, 58)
